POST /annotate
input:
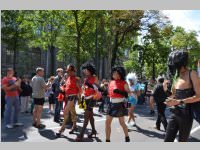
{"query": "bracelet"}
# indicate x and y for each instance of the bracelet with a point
(181, 102)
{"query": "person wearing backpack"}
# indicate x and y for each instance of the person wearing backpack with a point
(185, 99)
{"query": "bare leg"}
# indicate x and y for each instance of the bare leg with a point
(108, 126)
(123, 125)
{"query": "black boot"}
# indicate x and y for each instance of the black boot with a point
(107, 140)
(127, 139)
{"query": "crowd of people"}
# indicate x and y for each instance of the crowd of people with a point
(120, 94)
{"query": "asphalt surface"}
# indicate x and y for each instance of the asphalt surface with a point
(143, 131)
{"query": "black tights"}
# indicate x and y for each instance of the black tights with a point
(88, 116)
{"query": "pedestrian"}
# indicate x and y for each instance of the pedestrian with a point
(160, 95)
(11, 87)
(89, 89)
(185, 95)
(25, 94)
(118, 90)
(104, 87)
(72, 89)
(51, 97)
(56, 90)
(133, 98)
(150, 88)
(39, 86)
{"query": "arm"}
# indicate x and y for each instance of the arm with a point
(196, 85)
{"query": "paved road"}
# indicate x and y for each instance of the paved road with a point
(143, 132)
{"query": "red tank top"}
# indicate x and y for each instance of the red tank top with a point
(116, 84)
(71, 87)
(87, 90)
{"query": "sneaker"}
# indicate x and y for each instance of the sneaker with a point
(18, 124)
(9, 126)
(133, 123)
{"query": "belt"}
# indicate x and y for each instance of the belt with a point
(72, 95)
(116, 100)
(89, 97)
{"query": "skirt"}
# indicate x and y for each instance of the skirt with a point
(117, 109)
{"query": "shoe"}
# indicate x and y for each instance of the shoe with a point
(107, 140)
(26, 112)
(40, 126)
(127, 139)
(9, 126)
(18, 124)
(134, 124)
(93, 133)
(60, 132)
(72, 131)
(152, 112)
(57, 121)
(156, 127)
(34, 124)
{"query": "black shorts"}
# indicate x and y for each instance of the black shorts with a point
(39, 101)
(51, 99)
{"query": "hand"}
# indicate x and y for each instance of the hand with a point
(116, 91)
(172, 102)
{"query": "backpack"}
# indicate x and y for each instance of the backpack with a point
(195, 106)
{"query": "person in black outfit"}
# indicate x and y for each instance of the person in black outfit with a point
(185, 93)
(160, 95)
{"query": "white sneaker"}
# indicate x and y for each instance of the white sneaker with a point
(9, 126)
(133, 123)
(18, 124)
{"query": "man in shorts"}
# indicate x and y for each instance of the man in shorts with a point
(39, 86)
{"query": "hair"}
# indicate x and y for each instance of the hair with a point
(161, 79)
(59, 70)
(38, 69)
(176, 60)
(131, 76)
(9, 69)
(90, 67)
(72, 67)
(121, 71)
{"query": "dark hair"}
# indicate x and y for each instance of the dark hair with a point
(176, 60)
(121, 71)
(72, 67)
(161, 80)
(90, 67)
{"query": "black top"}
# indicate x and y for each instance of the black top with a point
(26, 89)
(159, 94)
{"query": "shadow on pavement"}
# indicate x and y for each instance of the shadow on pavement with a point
(148, 132)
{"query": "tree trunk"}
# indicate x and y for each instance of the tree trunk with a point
(115, 50)
(52, 68)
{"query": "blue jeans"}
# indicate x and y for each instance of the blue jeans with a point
(10, 102)
(58, 108)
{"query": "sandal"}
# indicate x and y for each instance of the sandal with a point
(40, 126)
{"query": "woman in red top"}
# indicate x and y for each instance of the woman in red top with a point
(118, 90)
(72, 88)
(89, 87)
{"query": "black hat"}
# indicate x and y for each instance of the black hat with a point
(121, 71)
(90, 67)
